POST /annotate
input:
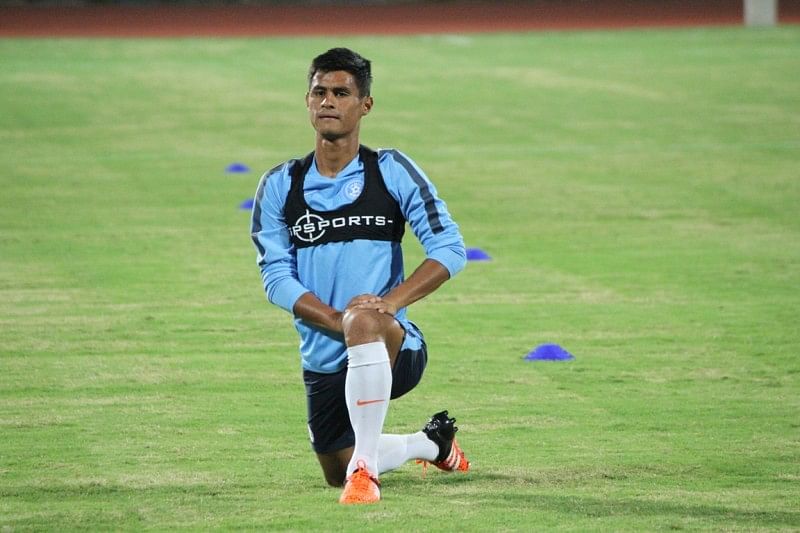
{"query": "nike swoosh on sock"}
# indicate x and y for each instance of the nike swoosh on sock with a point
(361, 403)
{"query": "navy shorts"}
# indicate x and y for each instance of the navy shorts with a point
(328, 419)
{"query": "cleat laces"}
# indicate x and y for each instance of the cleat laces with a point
(361, 487)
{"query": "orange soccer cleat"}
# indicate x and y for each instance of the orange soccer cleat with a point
(441, 429)
(361, 487)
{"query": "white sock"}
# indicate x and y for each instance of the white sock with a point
(367, 389)
(395, 450)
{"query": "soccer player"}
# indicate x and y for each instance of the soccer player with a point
(327, 229)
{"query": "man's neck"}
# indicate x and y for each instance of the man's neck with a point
(333, 156)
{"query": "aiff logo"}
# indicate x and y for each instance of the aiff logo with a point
(353, 189)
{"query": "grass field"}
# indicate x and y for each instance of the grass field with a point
(638, 191)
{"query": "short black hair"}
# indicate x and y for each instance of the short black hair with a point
(348, 61)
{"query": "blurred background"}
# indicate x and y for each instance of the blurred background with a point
(287, 17)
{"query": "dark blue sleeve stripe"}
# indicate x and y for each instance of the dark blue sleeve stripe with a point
(424, 191)
(255, 225)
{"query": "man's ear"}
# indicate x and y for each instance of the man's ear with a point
(307, 99)
(366, 105)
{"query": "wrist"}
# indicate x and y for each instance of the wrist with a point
(335, 321)
(393, 304)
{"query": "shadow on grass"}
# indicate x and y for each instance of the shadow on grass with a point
(503, 491)
(598, 507)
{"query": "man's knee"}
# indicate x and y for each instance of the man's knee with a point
(364, 325)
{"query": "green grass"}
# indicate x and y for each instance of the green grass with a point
(638, 191)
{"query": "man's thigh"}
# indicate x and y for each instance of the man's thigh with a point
(328, 419)
(412, 358)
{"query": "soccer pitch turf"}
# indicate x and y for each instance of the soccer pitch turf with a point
(638, 192)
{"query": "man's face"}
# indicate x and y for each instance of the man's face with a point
(335, 106)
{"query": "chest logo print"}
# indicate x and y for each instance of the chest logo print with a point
(353, 189)
(311, 227)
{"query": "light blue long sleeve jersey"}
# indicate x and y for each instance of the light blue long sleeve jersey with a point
(338, 271)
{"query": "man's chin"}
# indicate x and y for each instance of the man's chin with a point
(330, 136)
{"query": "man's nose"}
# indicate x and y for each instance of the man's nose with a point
(327, 101)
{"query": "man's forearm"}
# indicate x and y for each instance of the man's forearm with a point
(311, 309)
(428, 277)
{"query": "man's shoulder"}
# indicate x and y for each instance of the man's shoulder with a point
(276, 180)
(282, 171)
(396, 158)
(397, 161)
(390, 154)
(281, 168)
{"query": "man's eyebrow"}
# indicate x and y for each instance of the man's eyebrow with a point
(336, 88)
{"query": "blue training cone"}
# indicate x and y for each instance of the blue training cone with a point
(235, 168)
(247, 204)
(476, 254)
(549, 352)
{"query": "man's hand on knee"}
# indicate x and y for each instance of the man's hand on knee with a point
(371, 301)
